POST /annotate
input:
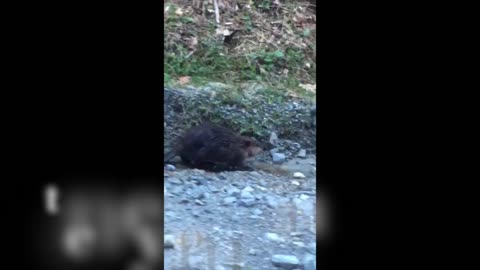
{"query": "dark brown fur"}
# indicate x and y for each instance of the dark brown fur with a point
(215, 148)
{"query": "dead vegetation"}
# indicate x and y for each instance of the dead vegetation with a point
(233, 41)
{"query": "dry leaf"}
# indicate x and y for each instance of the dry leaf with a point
(192, 43)
(184, 80)
(309, 87)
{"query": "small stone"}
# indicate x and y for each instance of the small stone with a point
(309, 262)
(299, 244)
(168, 241)
(233, 191)
(257, 212)
(255, 174)
(304, 197)
(296, 183)
(296, 234)
(286, 261)
(247, 202)
(170, 167)
(273, 138)
(272, 202)
(248, 189)
(229, 200)
(252, 252)
(312, 248)
(246, 195)
(235, 265)
(298, 175)
(213, 189)
(197, 194)
(274, 237)
(198, 202)
(278, 158)
(302, 153)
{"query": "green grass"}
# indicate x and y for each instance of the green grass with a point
(279, 68)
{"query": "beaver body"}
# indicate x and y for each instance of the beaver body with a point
(215, 148)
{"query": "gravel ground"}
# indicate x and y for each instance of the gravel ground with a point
(251, 220)
(243, 220)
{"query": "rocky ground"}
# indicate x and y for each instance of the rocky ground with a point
(244, 220)
(249, 220)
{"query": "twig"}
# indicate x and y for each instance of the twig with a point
(217, 15)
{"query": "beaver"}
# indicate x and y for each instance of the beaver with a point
(214, 148)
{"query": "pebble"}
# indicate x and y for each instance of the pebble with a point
(168, 241)
(298, 175)
(257, 212)
(278, 158)
(229, 200)
(304, 197)
(302, 153)
(233, 191)
(175, 181)
(286, 261)
(171, 167)
(273, 138)
(246, 195)
(255, 174)
(274, 237)
(299, 244)
(312, 248)
(272, 202)
(309, 262)
(247, 202)
(248, 189)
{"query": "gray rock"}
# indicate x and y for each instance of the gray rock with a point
(309, 262)
(175, 181)
(233, 191)
(278, 158)
(302, 153)
(177, 190)
(273, 138)
(257, 212)
(286, 261)
(246, 195)
(274, 150)
(170, 167)
(168, 241)
(229, 200)
(304, 197)
(248, 189)
(255, 174)
(272, 202)
(247, 202)
(197, 194)
(274, 237)
(312, 248)
(213, 189)
(298, 175)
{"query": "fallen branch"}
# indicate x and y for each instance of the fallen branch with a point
(217, 14)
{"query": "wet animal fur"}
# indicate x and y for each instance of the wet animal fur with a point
(214, 148)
